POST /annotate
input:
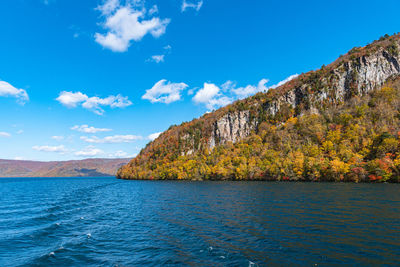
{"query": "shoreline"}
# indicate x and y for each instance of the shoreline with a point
(265, 180)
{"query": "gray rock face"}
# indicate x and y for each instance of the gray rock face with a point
(358, 76)
(369, 72)
(232, 127)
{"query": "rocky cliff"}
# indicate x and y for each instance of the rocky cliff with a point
(357, 73)
(354, 75)
(231, 127)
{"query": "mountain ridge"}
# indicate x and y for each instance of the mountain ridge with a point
(354, 75)
(96, 167)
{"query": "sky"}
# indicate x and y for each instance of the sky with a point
(102, 78)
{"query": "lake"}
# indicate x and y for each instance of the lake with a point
(110, 222)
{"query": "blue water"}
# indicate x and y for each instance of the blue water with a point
(109, 222)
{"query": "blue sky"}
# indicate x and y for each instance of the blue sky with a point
(98, 78)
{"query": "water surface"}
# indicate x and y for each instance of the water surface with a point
(109, 222)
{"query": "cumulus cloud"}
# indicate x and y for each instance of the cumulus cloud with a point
(108, 7)
(206, 93)
(195, 5)
(5, 134)
(72, 100)
(165, 92)
(56, 149)
(111, 139)
(284, 81)
(121, 154)
(8, 90)
(153, 10)
(157, 58)
(89, 151)
(243, 92)
(127, 23)
(219, 102)
(161, 57)
(57, 137)
(211, 96)
(153, 136)
(89, 129)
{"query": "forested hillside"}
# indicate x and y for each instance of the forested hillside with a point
(339, 123)
(72, 168)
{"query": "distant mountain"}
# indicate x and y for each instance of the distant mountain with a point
(72, 168)
(338, 123)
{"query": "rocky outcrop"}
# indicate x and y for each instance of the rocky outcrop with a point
(364, 74)
(232, 127)
(356, 76)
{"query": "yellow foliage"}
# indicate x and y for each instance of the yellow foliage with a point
(339, 166)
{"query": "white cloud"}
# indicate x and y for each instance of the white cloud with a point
(89, 129)
(195, 5)
(72, 100)
(57, 137)
(153, 136)
(218, 102)
(56, 149)
(111, 139)
(20, 131)
(161, 57)
(206, 93)
(153, 10)
(8, 90)
(108, 7)
(284, 81)
(243, 92)
(165, 92)
(157, 58)
(121, 154)
(5, 134)
(89, 151)
(211, 96)
(18, 158)
(118, 101)
(125, 23)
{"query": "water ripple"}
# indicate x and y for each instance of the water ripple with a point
(107, 222)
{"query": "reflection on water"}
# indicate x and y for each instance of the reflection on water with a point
(104, 221)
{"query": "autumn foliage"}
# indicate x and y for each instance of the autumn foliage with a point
(353, 140)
